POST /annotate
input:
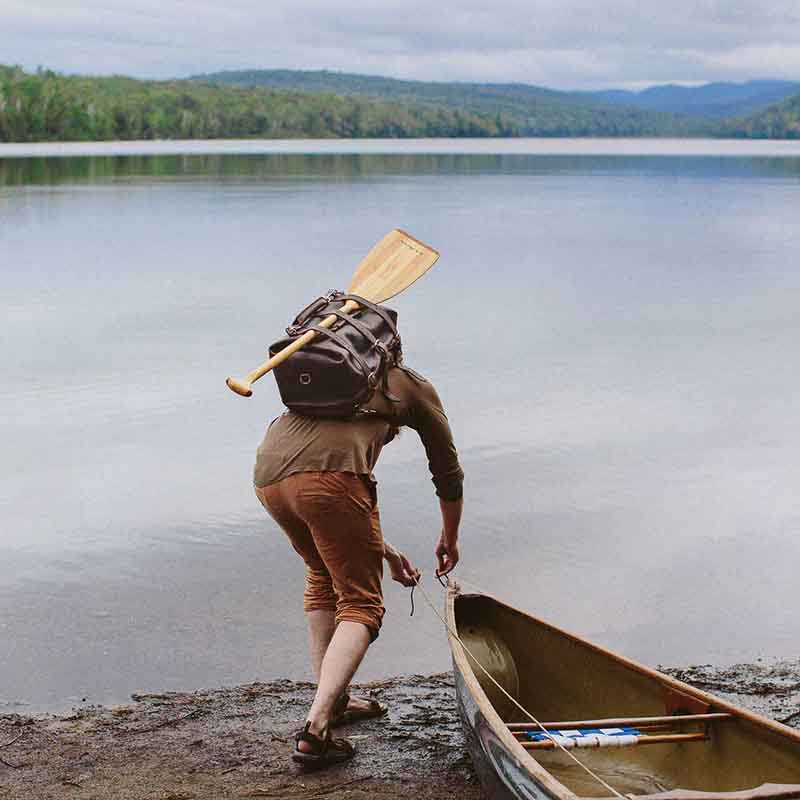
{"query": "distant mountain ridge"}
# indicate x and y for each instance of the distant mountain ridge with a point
(355, 83)
(525, 110)
(711, 101)
(716, 100)
(283, 104)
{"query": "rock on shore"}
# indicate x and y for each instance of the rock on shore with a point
(235, 742)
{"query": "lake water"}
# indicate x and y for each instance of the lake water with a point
(615, 335)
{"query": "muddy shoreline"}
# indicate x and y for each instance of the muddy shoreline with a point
(235, 742)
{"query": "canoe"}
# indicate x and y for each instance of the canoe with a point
(682, 743)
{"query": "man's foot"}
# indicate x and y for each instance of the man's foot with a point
(357, 709)
(320, 751)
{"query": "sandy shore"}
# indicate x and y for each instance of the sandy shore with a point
(235, 742)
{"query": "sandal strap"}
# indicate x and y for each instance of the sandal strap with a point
(319, 746)
(340, 706)
(340, 744)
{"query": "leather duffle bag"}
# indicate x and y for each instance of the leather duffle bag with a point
(336, 373)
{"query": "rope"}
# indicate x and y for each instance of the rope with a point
(525, 711)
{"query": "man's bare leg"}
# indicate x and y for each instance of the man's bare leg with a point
(321, 625)
(344, 654)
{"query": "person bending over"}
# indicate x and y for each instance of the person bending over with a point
(314, 477)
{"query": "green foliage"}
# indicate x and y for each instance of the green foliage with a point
(47, 106)
(518, 109)
(781, 121)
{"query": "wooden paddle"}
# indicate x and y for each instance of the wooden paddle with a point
(391, 266)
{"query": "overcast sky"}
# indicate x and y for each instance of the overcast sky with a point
(566, 44)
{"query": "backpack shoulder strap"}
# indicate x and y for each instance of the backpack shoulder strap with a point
(413, 374)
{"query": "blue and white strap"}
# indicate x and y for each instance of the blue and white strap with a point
(587, 737)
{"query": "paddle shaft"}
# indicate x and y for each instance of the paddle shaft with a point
(242, 387)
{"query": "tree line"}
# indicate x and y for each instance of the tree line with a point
(781, 121)
(48, 106)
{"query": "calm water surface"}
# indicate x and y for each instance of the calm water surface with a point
(615, 337)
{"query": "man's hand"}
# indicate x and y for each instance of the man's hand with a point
(447, 546)
(446, 554)
(400, 567)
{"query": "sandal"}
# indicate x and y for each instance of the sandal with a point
(344, 717)
(340, 706)
(324, 752)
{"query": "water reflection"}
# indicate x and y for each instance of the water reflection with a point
(49, 171)
(615, 340)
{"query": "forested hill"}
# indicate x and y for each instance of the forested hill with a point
(347, 83)
(781, 121)
(711, 101)
(47, 106)
(535, 110)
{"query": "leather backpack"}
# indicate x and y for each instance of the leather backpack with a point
(344, 365)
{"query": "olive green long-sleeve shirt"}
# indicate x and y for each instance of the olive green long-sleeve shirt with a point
(296, 443)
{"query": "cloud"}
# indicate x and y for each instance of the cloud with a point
(566, 44)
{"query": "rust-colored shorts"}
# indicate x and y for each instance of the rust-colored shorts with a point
(332, 521)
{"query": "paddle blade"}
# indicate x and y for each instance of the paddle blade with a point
(391, 266)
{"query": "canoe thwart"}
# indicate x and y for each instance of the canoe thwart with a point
(614, 722)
